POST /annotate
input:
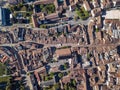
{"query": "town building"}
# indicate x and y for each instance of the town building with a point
(4, 16)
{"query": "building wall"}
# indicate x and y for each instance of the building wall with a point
(0, 15)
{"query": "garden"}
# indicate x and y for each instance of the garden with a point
(82, 13)
(21, 10)
(48, 9)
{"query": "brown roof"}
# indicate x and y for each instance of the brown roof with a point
(113, 21)
(4, 59)
(90, 31)
(37, 76)
(63, 52)
(118, 74)
(52, 16)
(107, 3)
(66, 79)
(54, 69)
(104, 87)
(99, 35)
(97, 11)
(87, 5)
(18, 78)
(34, 20)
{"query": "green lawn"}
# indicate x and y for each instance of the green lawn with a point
(49, 8)
(82, 13)
(3, 69)
(4, 79)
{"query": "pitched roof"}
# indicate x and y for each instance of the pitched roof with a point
(52, 16)
(34, 20)
(87, 5)
(63, 52)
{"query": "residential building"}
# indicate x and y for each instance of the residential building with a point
(96, 12)
(86, 5)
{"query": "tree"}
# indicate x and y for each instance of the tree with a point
(75, 18)
(49, 8)
(73, 82)
(9, 86)
(65, 65)
(11, 9)
(88, 56)
(71, 88)
(30, 8)
(41, 6)
(82, 14)
(43, 26)
(46, 78)
(66, 87)
(23, 8)
(20, 5)
(56, 86)
(97, 30)
(60, 75)
(51, 74)
(22, 87)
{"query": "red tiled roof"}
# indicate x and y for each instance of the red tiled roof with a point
(37, 76)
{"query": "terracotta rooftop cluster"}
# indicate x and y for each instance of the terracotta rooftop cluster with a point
(71, 55)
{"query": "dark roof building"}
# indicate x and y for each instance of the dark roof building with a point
(4, 16)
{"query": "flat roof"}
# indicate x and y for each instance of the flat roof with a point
(112, 14)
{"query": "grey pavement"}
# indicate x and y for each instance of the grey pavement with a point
(65, 44)
(73, 22)
(60, 62)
